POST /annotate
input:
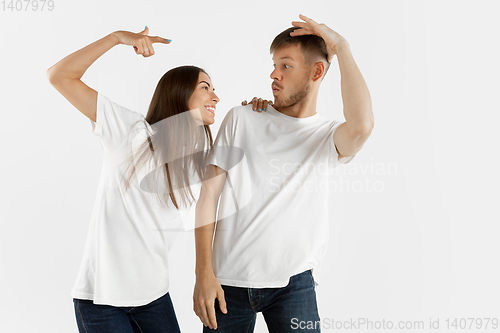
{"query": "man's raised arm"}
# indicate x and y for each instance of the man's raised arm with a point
(349, 137)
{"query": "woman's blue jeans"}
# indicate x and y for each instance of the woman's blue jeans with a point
(155, 317)
(289, 309)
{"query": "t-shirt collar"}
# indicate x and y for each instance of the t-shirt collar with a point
(279, 114)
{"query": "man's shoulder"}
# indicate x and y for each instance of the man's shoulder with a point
(323, 120)
(238, 112)
(241, 109)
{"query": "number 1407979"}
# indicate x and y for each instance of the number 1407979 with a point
(27, 5)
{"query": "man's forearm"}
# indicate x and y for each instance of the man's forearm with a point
(355, 95)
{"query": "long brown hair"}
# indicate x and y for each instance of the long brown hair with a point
(176, 141)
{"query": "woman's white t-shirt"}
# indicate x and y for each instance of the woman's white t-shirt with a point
(125, 260)
(272, 219)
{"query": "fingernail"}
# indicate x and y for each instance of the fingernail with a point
(145, 26)
(169, 40)
(260, 109)
(264, 109)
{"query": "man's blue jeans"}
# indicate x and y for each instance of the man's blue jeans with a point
(284, 309)
(155, 317)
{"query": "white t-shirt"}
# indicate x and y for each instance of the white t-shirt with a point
(272, 220)
(130, 233)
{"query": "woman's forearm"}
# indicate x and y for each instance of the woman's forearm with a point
(203, 240)
(74, 65)
(204, 232)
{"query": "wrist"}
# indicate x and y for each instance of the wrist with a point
(341, 46)
(115, 37)
(203, 272)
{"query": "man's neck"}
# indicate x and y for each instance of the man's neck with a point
(303, 109)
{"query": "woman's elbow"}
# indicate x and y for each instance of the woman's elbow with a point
(54, 76)
(51, 75)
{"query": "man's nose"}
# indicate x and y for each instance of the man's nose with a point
(274, 74)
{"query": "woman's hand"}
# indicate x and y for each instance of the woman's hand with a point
(142, 43)
(258, 103)
(206, 290)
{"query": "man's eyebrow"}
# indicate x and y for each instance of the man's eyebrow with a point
(206, 83)
(282, 58)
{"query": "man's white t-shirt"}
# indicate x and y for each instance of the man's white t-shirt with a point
(125, 259)
(272, 219)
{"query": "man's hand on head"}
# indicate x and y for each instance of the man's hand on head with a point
(310, 27)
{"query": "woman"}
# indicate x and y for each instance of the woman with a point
(123, 283)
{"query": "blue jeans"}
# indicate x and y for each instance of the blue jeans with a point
(286, 309)
(155, 317)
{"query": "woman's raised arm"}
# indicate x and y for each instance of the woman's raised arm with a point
(66, 75)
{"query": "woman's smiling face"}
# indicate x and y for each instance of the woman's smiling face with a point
(204, 99)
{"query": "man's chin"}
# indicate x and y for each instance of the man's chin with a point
(278, 103)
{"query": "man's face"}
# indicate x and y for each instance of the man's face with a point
(291, 76)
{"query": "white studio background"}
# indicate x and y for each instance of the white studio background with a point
(414, 228)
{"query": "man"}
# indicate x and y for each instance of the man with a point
(267, 249)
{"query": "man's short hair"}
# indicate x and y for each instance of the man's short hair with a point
(313, 47)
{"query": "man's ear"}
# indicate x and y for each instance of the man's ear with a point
(319, 70)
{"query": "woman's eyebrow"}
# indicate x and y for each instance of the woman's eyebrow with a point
(206, 83)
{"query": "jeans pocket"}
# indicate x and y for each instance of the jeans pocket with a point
(312, 279)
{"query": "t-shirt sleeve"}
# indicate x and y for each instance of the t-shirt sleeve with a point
(334, 154)
(113, 123)
(221, 152)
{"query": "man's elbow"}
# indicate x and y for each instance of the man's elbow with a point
(361, 133)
